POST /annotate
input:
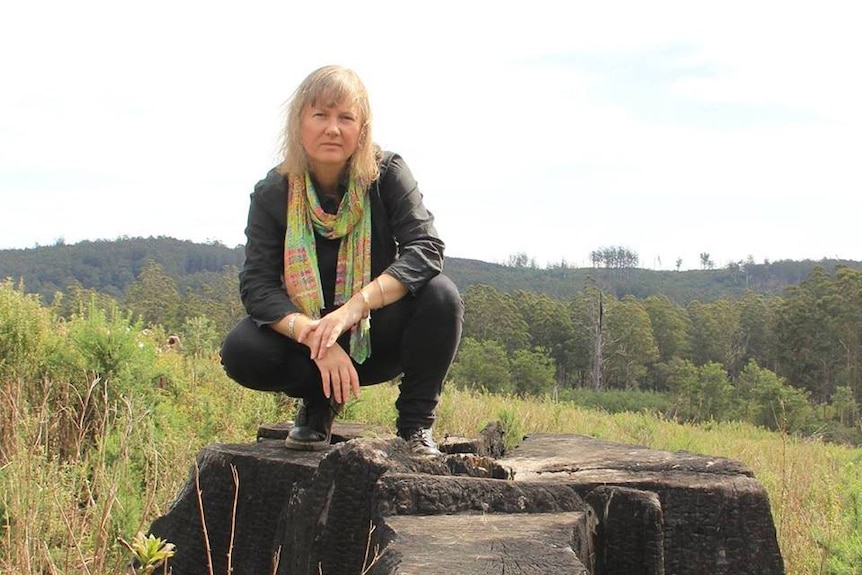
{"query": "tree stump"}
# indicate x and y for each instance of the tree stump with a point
(556, 504)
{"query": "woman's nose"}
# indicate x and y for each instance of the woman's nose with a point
(332, 126)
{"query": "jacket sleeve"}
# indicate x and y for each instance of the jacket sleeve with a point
(261, 279)
(419, 248)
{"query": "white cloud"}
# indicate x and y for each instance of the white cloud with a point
(731, 128)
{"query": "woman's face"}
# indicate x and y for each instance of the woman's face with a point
(329, 134)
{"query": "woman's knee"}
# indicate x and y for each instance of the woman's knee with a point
(442, 295)
(235, 350)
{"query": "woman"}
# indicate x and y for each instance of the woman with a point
(342, 278)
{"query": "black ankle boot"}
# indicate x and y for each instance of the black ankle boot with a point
(312, 426)
(420, 440)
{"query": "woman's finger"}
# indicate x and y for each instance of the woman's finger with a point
(324, 379)
(333, 337)
(343, 384)
(354, 381)
(320, 339)
(336, 391)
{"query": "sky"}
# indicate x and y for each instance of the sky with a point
(549, 129)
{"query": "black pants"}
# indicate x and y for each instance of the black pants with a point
(417, 336)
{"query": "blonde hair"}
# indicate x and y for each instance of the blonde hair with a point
(330, 84)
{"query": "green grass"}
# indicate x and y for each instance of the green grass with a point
(65, 514)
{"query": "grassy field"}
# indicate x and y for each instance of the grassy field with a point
(64, 515)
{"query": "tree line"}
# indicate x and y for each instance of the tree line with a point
(719, 359)
(769, 355)
(111, 266)
(810, 335)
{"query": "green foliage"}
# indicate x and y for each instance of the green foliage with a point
(216, 298)
(770, 402)
(491, 315)
(703, 393)
(95, 406)
(482, 365)
(818, 343)
(716, 394)
(27, 333)
(845, 554)
(620, 401)
(200, 336)
(95, 419)
(714, 330)
(532, 372)
(154, 297)
(513, 428)
(757, 328)
(845, 405)
(684, 383)
(550, 327)
(670, 324)
(149, 552)
(630, 345)
(149, 409)
(110, 267)
(111, 346)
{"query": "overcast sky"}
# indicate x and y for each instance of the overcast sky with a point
(545, 128)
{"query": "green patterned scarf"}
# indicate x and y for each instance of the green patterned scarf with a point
(305, 216)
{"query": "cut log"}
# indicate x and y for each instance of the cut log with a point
(716, 516)
(536, 544)
(555, 504)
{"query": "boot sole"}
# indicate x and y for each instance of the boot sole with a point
(306, 445)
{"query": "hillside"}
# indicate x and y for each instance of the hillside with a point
(111, 266)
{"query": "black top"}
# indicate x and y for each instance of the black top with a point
(404, 242)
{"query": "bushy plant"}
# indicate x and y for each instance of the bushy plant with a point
(482, 365)
(769, 401)
(97, 417)
(149, 552)
(532, 372)
(200, 337)
(27, 333)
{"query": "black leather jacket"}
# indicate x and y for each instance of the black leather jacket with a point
(404, 242)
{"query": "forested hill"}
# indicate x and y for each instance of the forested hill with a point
(110, 267)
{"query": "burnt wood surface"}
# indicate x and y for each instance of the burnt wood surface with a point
(534, 544)
(715, 515)
(555, 504)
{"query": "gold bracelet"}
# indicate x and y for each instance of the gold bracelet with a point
(382, 292)
(367, 311)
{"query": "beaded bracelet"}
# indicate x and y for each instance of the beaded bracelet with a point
(291, 322)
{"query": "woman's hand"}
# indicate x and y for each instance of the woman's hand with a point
(338, 375)
(320, 335)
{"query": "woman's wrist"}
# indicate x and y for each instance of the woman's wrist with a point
(291, 325)
(361, 306)
(369, 298)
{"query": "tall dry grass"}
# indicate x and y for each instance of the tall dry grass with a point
(64, 516)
